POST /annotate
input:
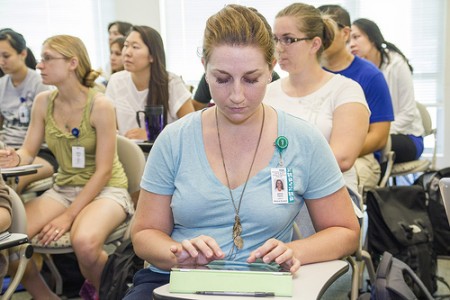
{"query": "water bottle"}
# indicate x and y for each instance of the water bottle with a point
(24, 112)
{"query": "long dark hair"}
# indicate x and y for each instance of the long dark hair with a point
(158, 86)
(374, 34)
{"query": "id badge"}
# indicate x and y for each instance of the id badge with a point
(77, 157)
(282, 185)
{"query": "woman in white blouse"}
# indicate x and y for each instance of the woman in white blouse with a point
(145, 81)
(334, 103)
(407, 130)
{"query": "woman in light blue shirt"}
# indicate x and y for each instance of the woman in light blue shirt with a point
(207, 188)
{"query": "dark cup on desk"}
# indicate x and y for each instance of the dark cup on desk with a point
(153, 116)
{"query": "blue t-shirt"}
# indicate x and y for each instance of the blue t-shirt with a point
(201, 204)
(375, 89)
(374, 86)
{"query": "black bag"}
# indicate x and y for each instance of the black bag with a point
(399, 224)
(117, 276)
(390, 282)
(436, 211)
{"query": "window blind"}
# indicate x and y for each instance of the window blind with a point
(37, 20)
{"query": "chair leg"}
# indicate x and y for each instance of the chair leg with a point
(354, 293)
(370, 268)
(25, 253)
(55, 273)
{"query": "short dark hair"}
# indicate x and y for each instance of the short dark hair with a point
(123, 27)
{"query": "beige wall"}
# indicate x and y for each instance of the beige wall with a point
(139, 12)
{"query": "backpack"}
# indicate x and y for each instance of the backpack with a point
(390, 282)
(430, 182)
(117, 276)
(399, 224)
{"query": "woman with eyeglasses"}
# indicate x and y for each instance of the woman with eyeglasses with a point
(407, 130)
(89, 198)
(335, 104)
(19, 87)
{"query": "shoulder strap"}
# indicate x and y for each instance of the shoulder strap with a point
(381, 291)
(390, 278)
(50, 102)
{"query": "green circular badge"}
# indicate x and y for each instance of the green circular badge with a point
(281, 142)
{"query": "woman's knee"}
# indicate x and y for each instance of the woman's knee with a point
(86, 246)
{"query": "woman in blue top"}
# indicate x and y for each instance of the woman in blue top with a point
(227, 153)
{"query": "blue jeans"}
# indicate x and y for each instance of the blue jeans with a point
(144, 282)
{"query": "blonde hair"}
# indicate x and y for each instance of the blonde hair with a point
(70, 47)
(311, 22)
(237, 25)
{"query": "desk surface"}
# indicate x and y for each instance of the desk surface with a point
(310, 282)
(13, 240)
(20, 170)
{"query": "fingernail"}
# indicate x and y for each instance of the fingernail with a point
(266, 259)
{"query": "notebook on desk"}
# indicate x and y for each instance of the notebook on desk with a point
(444, 186)
(225, 276)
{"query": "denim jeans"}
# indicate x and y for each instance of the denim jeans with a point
(144, 282)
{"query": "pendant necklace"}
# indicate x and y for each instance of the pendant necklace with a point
(238, 242)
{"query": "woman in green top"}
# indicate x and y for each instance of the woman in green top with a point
(90, 197)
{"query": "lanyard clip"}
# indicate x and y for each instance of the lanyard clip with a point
(281, 143)
(75, 132)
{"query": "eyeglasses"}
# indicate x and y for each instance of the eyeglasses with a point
(46, 59)
(286, 41)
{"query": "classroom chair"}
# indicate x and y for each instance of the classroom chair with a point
(24, 250)
(411, 167)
